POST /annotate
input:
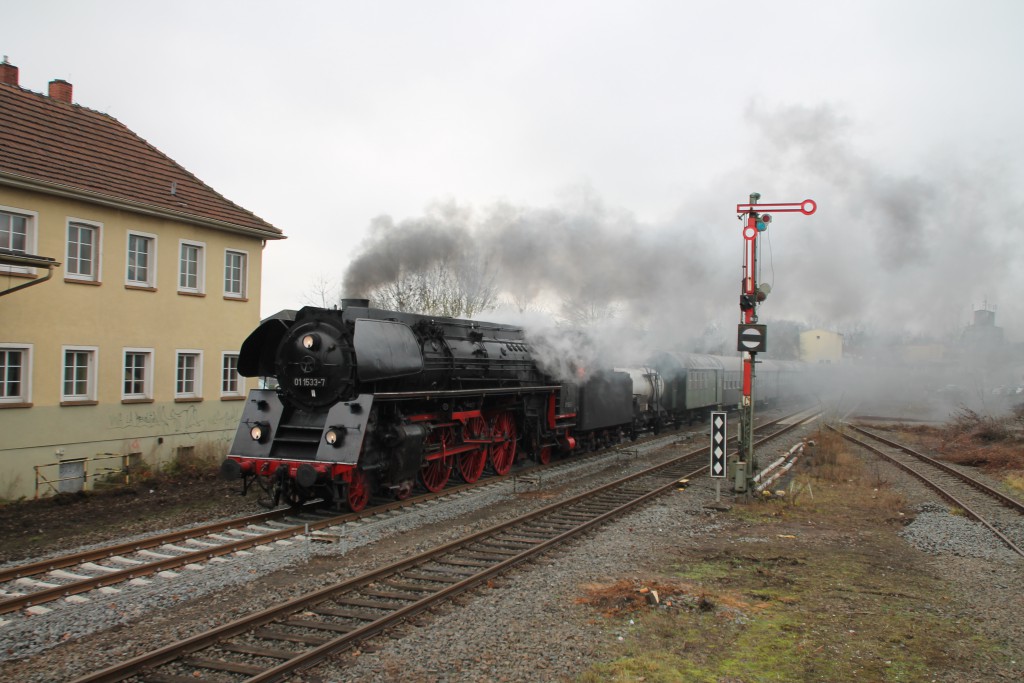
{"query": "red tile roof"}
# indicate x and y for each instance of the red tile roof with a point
(65, 146)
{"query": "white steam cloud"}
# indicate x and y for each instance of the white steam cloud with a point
(896, 254)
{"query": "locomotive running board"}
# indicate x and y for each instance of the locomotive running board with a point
(392, 395)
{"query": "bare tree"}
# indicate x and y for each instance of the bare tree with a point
(453, 288)
(322, 292)
(522, 303)
(580, 312)
(476, 283)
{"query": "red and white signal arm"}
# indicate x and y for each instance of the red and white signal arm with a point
(718, 439)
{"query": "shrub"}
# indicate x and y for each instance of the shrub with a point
(201, 460)
(980, 441)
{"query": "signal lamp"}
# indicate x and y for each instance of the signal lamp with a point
(309, 342)
(334, 436)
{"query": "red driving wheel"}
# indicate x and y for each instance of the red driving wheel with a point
(471, 464)
(358, 491)
(503, 451)
(435, 472)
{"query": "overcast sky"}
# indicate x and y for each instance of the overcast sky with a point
(902, 119)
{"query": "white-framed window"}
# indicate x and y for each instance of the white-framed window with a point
(15, 373)
(188, 380)
(84, 249)
(236, 272)
(191, 264)
(138, 375)
(231, 383)
(140, 270)
(17, 234)
(78, 381)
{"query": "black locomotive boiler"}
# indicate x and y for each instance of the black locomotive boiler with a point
(368, 402)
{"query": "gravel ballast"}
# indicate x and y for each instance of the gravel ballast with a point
(529, 625)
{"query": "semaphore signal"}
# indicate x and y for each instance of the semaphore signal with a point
(751, 337)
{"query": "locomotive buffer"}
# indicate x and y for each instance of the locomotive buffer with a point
(752, 338)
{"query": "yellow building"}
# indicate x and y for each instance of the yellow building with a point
(821, 346)
(130, 348)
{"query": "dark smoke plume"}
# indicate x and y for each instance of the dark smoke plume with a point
(904, 253)
(584, 265)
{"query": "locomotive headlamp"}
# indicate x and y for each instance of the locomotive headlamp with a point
(309, 342)
(335, 436)
(259, 432)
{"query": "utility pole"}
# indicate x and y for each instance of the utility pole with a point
(752, 338)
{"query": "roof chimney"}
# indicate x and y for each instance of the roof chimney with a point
(8, 73)
(60, 90)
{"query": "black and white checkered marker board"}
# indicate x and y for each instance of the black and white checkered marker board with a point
(718, 426)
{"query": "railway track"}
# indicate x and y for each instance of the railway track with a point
(1001, 514)
(102, 568)
(74, 576)
(272, 644)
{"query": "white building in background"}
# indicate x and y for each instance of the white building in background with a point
(821, 346)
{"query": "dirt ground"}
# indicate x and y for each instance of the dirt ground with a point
(817, 586)
(32, 528)
(799, 597)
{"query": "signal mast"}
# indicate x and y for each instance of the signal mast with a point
(752, 337)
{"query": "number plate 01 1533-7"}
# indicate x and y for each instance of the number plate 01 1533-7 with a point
(311, 382)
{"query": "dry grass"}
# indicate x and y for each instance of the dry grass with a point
(975, 427)
(831, 462)
(992, 444)
(201, 462)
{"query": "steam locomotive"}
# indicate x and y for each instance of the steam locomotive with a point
(371, 402)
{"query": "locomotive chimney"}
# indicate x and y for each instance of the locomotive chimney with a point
(8, 73)
(355, 303)
(60, 90)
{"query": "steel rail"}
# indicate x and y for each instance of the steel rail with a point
(581, 521)
(948, 469)
(221, 548)
(315, 656)
(945, 494)
(110, 578)
(34, 568)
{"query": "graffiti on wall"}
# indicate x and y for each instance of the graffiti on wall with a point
(173, 419)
